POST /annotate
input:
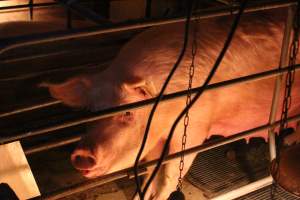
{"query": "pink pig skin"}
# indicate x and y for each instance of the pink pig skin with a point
(138, 73)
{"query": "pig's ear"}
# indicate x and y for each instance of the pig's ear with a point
(73, 92)
(140, 87)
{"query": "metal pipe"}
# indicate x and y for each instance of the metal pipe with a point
(80, 187)
(30, 4)
(82, 11)
(276, 95)
(51, 145)
(11, 43)
(30, 108)
(123, 108)
(27, 5)
(245, 189)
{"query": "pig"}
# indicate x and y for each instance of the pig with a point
(138, 73)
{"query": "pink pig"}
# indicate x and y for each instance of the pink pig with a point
(138, 73)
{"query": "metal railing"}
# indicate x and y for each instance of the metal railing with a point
(113, 111)
(12, 43)
(123, 108)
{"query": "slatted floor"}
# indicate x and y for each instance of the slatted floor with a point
(265, 193)
(229, 167)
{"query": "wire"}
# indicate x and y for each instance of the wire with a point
(198, 94)
(159, 97)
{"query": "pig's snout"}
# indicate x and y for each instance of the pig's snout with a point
(83, 159)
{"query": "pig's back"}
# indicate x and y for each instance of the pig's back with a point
(255, 48)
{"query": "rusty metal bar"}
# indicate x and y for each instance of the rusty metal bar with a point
(123, 108)
(16, 42)
(73, 189)
(276, 95)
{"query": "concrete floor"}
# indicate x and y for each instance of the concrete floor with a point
(191, 193)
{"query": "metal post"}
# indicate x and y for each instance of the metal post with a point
(148, 8)
(69, 18)
(278, 81)
(30, 3)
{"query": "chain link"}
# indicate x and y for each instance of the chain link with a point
(188, 101)
(294, 48)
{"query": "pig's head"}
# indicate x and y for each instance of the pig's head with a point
(110, 143)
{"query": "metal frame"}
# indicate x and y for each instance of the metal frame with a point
(16, 42)
(128, 172)
(124, 173)
(123, 108)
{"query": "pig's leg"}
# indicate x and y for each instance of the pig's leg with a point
(167, 179)
(153, 154)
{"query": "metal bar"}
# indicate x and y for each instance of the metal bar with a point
(30, 4)
(30, 108)
(148, 8)
(245, 189)
(123, 108)
(69, 18)
(82, 11)
(129, 171)
(51, 145)
(11, 43)
(27, 5)
(276, 95)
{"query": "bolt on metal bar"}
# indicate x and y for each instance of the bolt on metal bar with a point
(27, 5)
(123, 108)
(276, 95)
(16, 42)
(80, 187)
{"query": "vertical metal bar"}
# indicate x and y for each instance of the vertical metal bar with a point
(148, 8)
(278, 81)
(69, 18)
(30, 3)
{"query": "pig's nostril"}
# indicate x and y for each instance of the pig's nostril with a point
(83, 162)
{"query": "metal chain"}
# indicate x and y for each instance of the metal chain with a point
(188, 101)
(291, 72)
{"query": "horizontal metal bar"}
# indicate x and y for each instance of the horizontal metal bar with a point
(51, 145)
(11, 43)
(245, 189)
(123, 108)
(27, 6)
(80, 187)
(30, 108)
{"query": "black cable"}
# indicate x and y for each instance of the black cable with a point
(198, 94)
(158, 99)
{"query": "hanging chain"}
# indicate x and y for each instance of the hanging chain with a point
(291, 72)
(188, 101)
